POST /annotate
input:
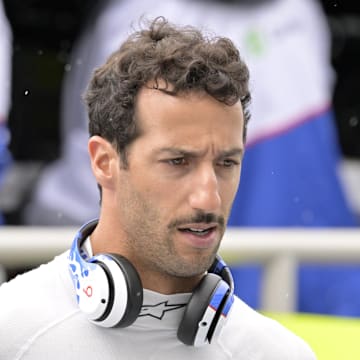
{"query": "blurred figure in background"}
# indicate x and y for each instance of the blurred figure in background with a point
(291, 164)
(5, 92)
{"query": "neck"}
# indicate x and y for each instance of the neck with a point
(164, 283)
(103, 240)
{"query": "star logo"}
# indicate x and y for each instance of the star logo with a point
(158, 311)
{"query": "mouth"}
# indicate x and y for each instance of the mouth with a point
(200, 236)
(197, 231)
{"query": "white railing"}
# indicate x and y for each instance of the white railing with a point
(278, 250)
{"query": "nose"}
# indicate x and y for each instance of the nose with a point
(204, 190)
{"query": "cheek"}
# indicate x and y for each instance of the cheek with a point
(151, 192)
(159, 189)
(229, 190)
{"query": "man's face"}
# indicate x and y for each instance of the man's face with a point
(174, 198)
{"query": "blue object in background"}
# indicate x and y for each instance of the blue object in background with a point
(291, 180)
(5, 156)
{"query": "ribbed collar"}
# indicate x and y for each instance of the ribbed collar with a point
(162, 311)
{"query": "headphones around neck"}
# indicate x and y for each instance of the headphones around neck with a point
(109, 291)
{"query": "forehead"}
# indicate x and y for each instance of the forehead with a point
(193, 118)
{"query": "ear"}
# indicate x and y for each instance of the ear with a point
(104, 160)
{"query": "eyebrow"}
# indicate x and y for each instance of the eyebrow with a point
(191, 153)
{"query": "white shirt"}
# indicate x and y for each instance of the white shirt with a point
(40, 319)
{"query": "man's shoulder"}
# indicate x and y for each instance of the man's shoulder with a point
(35, 301)
(38, 289)
(250, 333)
(36, 277)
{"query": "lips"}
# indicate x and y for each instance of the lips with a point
(197, 231)
(199, 235)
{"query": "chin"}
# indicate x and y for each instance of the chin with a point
(194, 265)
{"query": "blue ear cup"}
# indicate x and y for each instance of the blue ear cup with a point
(108, 287)
(209, 306)
(110, 293)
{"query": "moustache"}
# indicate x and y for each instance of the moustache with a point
(199, 217)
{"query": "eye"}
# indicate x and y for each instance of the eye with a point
(229, 163)
(178, 161)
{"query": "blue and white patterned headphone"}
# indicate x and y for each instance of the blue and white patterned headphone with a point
(109, 291)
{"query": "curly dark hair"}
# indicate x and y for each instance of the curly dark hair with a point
(180, 56)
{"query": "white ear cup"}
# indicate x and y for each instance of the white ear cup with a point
(93, 292)
(108, 287)
(117, 302)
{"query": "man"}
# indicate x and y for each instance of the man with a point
(168, 114)
(291, 169)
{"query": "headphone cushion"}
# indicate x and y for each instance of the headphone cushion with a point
(134, 289)
(195, 309)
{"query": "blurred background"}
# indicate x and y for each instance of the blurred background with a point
(302, 167)
(43, 36)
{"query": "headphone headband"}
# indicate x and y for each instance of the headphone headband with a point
(109, 291)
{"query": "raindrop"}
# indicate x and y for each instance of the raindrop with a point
(26, 92)
(354, 121)
(307, 216)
